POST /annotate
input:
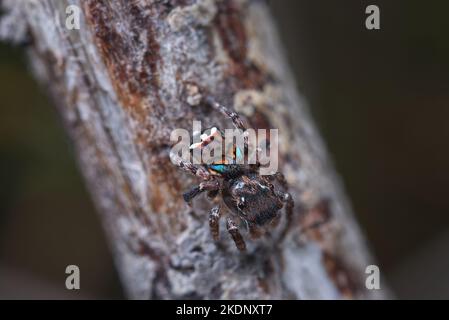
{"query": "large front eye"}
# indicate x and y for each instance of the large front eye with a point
(266, 189)
(241, 204)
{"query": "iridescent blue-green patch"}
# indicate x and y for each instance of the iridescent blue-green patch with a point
(238, 154)
(218, 167)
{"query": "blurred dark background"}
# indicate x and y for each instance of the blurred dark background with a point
(381, 101)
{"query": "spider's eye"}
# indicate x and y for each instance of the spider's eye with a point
(241, 204)
(267, 188)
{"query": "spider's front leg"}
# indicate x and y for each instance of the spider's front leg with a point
(210, 184)
(189, 167)
(236, 235)
(235, 118)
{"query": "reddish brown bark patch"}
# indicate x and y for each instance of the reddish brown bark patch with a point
(341, 276)
(132, 62)
(315, 224)
(315, 219)
(229, 23)
(164, 181)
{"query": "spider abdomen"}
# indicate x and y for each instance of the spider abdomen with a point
(252, 199)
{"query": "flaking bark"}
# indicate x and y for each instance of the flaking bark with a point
(135, 71)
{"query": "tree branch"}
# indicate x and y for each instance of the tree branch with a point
(135, 71)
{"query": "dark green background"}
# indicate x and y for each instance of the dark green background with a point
(381, 100)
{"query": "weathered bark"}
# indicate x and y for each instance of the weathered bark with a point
(134, 72)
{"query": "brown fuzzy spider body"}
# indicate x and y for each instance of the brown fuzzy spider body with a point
(250, 198)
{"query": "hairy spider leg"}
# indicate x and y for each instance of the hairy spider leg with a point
(214, 219)
(210, 185)
(236, 235)
(255, 231)
(289, 204)
(235, 118)
(279, 176)
(196, 170)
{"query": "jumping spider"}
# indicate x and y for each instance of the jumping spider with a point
(250, 198)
